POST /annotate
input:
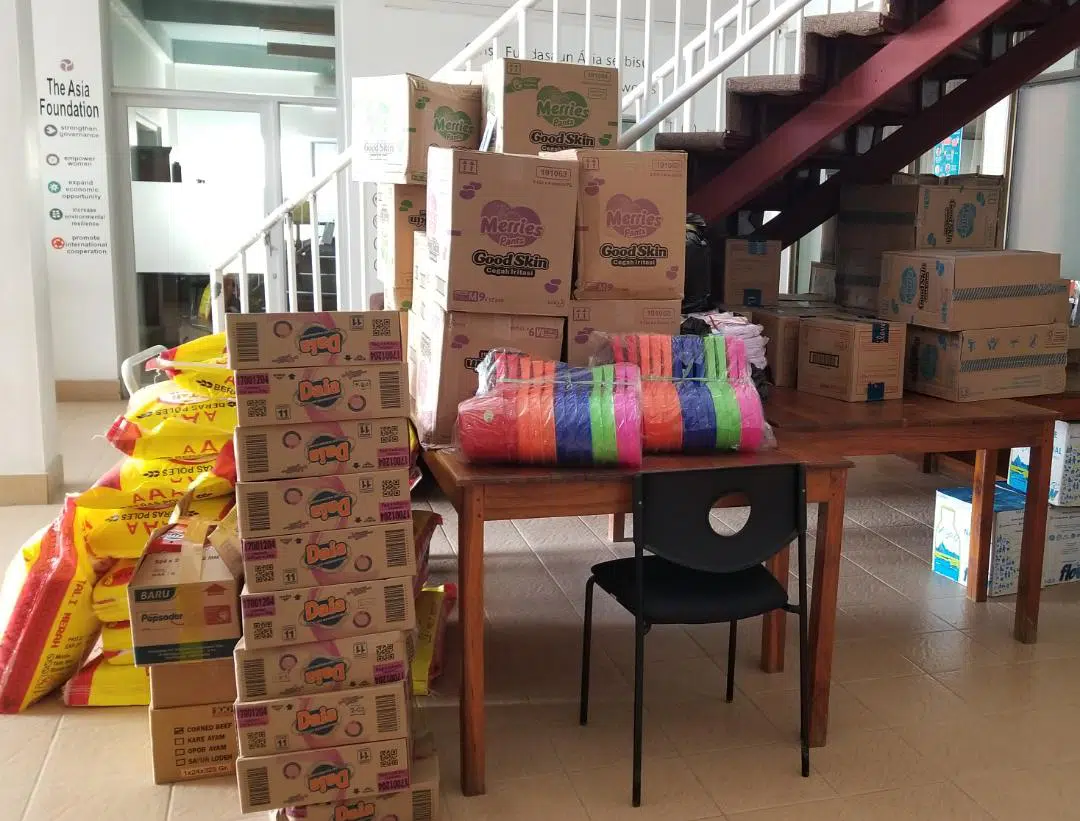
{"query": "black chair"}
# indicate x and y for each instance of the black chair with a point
(697, 576)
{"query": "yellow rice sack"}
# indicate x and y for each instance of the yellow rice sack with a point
(116, 642)
(100, 684)
(110, 594)
(433, 608)
(148, 483)
(165, 420)
(198, 366)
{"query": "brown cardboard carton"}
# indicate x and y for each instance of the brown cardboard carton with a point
(191, 683)
(337, 611)
(225, 539)
(322, 502)
(590, 320)
(321, 666)
(396, 118)
(546, 106)
(401, 214)
(329, 557)
(445, 348)
(751, 272)
(964, 290)
(304, 340)
(856, 360)
(988, 363)
(182, 598)
(320, 448)
(358, 716)
(499, 232)
(823, 280)
(781, 326)
(189, 743)
(631, 224)
(283, 395)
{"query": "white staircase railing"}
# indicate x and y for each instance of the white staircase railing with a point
(686, 90)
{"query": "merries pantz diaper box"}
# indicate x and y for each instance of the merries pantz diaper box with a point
(328, 338)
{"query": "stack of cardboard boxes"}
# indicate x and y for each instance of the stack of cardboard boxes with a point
(326, 533)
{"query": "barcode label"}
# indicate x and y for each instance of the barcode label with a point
(253, 674)
(257, 510)
(257, 784)
(256, 409)
(256, 453)
(390, 389)
(264, 573)
(385, 652)
(387, 720)
(264, 630)
(421, 805)
(257, 739)
(247, 341)
(395, 603)
(396, 553)
(389, 758)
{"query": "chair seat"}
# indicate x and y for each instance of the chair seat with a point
(679, 595)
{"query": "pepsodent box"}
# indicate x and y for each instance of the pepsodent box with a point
(323, 502)
(313, 776)
(355, 716)
(322, 666)
(338, 338)
(321, 613)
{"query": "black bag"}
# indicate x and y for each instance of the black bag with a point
(698, 266)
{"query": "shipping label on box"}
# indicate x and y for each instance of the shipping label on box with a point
(320, 449)
(751, 272)
(958, 291)
(278, 396)
(991, 363)
(499, 231)
(853, 359)
(329, 338)
(190, 683)
(398, 117)
(1064, 466)
(537, 106)
(631, 224)
(189, 743)
(329, 557)
(283, 506)
(322, 666)
(323, 613)
(591, 320)
(366, 714)
(333, 774)
(401, 214)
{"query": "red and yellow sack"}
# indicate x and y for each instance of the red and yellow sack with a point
(151, 483)
(110, 594)
(100, 684)
(199, 366)
(116, 642)
(164, 420)
(433, 608)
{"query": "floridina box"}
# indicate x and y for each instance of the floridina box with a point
(334, 612)
(320, 449)
(320, 394)
(329, 557)
(322, 666)
(356, 716)
(334, 774)
(300, 505)
(332, 338)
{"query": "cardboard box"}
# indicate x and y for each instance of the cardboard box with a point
(399, 116)
(445, 348)
(631, 224)
(590, 320)
(333, 774)
(1064, 466)
(853, 359)
(965, 290)
(823, 280)
(329, 557)
(418, 803)
(191, 683)
(336, 611)
(358, 716)
(189, 743)
(781, 326)
(225, 539)
(182, 598)
(499, 229)
(400, 216)
(538, 106)
(751, 272)
(320, 448)
(991, 363)
(304, 340)
(322, 666)
(322, 502)
(284, 395)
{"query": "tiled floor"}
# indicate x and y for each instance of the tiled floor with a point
(936, 713)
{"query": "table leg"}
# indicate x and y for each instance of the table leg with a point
(830, 533)
(982, 522)
(774, 624)
(471, 604)
(616, 528)
(1026, 627)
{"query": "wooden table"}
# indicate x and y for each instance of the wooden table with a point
(486, 494)
(1066, 404)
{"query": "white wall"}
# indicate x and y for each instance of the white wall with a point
(191, 77)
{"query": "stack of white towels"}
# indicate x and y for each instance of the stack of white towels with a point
(725, 323)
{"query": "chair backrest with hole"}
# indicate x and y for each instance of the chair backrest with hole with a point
(671, 515)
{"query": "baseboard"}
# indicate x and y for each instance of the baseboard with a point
(88, 390)
(33, 489)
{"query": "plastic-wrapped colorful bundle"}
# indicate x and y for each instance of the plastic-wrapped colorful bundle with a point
(539, 412)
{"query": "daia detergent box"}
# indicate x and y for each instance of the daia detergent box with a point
(334, 338)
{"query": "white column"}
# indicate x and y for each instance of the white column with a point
(30, 465)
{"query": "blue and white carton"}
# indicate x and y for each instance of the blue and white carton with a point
(1064, 466)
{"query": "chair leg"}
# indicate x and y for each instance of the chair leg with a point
(732, 637)
(639, 706)
(586, 651)
(804, 689)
